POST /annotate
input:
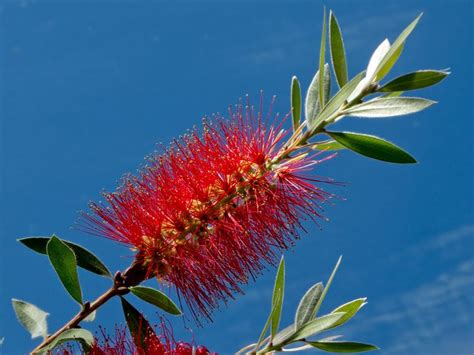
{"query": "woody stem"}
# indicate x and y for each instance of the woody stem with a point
(132, 276)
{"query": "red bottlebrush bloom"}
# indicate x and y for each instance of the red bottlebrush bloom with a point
(207, 214)
(122, 344)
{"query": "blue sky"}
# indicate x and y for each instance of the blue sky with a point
(88, 88)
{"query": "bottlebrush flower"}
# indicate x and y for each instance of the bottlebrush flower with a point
(211, 211)
(122, 344)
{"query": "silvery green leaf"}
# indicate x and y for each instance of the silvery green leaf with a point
(342, 346)
(326, 289)
(285, 334)
(312, 106)
(389, 107)
(307, 305)
(350, 309)
(327, 83)
(31, 318)
(395, 50)
(83, 336)
(336, 101)
(338, 53)
(322, 59)
(316, 326)
(277, 297)
(374, 61)
(376, 58)
(267, 324)
(416, 80)
(295, 102)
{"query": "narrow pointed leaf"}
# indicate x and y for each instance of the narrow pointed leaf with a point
(295, 102)
(155, 297)
(311, 105)
(389, 64)
(316, 326)
(327, 83)
(328, 146)
(85, 259)
(416, 80)
(342, 346)
(337, 101)
(395, 50)
(138, 326)
(376, 58)
(277, 297)
(267, 325)
(31, 318)
(64, 263)
(389, 107)
(307, 305)
(393, 94)
(373, 147)
(338, 53)
(83, 336)
(350, 309)
(326, 289)
(322, 59)
(283, 335)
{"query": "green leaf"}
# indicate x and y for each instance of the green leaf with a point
(327, 145)
(139, 327)
(316, 326)
(416, 80)
(307, 304)
(389, 107)
(277, 297)
(373, 147)
(283, 335)
(342, 346)
(327, 83)
(326, 289)
(64, 262)
(388, 66)
(82, 336)
(156, 298)
(395, 50)
(393, 94)
(312, 106)
(267, 324)
(336, 101)
(350, 309)
(31, 318)
(85, 259)
(376, 58)
(338, 53)
(295, 102)
(90, 317)
(322, 59)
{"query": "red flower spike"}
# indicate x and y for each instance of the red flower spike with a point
(121, 344)
(210, 212)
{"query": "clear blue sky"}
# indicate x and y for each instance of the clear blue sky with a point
(88, 88)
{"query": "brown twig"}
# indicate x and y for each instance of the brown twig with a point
(133, 276)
